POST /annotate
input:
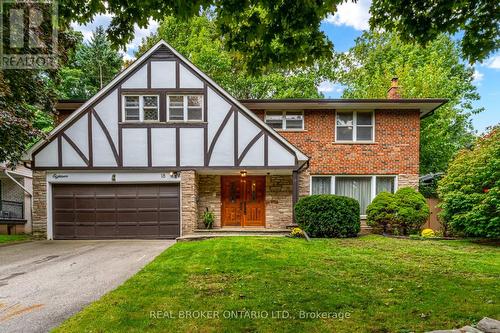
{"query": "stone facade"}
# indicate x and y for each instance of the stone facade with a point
(408, 181)
(279, 212)
(304, 183)
(209, 195)
(39, 222)
(189, 204)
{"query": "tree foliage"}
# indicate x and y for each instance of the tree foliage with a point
(287, 33)
(90, 67)
(433, 71)
(470, 190)
(27, 97)
(424, 20)
(198, 40)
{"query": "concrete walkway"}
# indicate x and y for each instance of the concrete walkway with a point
(43, 283)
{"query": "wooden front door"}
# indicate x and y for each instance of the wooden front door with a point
(243, 201)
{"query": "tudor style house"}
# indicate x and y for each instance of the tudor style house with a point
(162, 143)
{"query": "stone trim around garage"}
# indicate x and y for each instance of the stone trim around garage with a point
(189, 201)
(39, 221)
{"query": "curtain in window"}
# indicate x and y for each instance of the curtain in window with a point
(385, 184)
(358, 188)
(321, 185)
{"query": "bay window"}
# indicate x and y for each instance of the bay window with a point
(362, 188)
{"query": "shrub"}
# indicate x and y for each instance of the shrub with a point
(327, 215)
(470, 190)
(401, 213)
(381, 212)
(412, 210)
(208, 218)
(428, 233)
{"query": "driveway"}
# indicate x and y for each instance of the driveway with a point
(43, 283)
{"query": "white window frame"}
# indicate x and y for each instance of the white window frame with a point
(283, 118)
(141, 108)
(185, 108)
(373, 188)
(355, 126)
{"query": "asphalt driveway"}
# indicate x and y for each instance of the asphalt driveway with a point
(43, 283)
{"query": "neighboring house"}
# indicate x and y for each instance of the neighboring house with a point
(15, 199)
(161, 143)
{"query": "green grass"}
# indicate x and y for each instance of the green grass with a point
(386, 285)
(12, 238)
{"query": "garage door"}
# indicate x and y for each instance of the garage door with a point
(115, 211)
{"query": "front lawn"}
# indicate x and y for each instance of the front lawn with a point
(13, 238)
(381, 284)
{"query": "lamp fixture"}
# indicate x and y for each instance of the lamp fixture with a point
(243, 173)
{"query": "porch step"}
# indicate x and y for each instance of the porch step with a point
(200, 234)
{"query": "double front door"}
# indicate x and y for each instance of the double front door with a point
(243, 201)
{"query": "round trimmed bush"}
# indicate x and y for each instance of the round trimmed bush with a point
(381, 213)
(327, 215)
(401, 213)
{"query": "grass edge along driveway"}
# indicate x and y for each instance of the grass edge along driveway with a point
(384, 284)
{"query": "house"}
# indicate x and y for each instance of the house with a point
(15, 199)
(162, 142)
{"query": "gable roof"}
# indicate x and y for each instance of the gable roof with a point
(138, 62)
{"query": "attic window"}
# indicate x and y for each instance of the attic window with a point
(140, 108)
(185, 107)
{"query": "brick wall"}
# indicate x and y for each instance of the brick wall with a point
(39, 222)
(189, 205)
(395, 151)
(209, 196)
(278, 201)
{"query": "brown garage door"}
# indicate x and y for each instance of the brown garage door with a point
(115, 211)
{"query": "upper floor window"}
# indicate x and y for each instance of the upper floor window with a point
(185, 107)
(354, 126)
(285, 120)
(140, 108)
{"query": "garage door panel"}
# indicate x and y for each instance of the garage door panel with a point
(105, 217)
(105, 202)
(116, 211)
(85, 230)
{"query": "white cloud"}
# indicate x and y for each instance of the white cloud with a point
(493, 62)
(355, 15)
(330, 87)
(477, 76)
(105, 20)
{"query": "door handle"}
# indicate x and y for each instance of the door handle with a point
(245, 207)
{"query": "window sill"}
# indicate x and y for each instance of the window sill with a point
(290, 130)
(355, 142)
(160, 122)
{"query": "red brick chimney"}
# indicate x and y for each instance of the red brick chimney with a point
(393, 92)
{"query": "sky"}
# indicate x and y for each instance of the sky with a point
(342, 29)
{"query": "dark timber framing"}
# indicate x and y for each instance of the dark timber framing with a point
(108, 136)
(162, 53)
(75, 147)
(249, 145)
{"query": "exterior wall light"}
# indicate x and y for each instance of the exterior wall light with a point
(243, 173)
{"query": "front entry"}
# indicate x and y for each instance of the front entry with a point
(243, 201)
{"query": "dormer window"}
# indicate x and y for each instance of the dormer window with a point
(185, 107)
(140, 108)
(354, 126)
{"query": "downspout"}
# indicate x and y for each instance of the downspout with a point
(7, 173)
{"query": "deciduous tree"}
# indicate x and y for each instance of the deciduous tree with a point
(433, 71)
